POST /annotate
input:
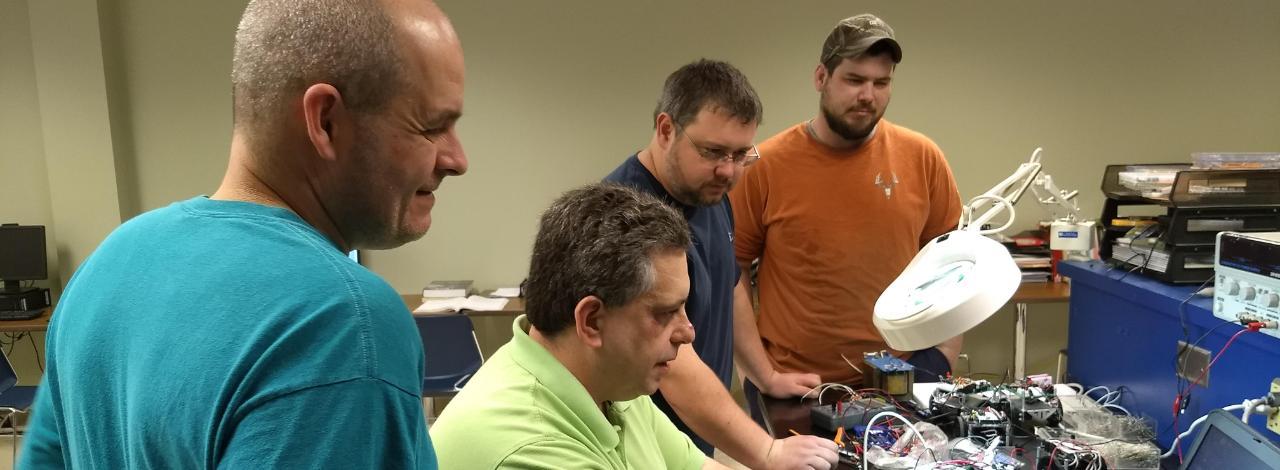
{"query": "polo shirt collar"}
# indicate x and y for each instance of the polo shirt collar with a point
(553, 376)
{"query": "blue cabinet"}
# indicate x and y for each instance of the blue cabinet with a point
(1124, 332)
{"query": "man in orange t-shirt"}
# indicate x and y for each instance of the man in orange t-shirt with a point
(834, 210)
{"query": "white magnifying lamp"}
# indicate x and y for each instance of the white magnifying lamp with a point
(958, 279)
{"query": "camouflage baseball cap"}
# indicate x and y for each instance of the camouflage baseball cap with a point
(854, 35)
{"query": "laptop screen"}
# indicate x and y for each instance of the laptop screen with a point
(1219, 451)
(1228, 443)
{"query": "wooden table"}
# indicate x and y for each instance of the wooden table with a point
(40, 323)
(1032, 293)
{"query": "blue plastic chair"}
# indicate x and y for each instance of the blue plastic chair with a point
(452, 355)
(14, 399)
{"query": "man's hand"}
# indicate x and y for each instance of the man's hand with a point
(787, 384)
(802, 453)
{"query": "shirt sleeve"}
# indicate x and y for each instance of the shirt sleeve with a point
(42, 441)
(747, 200)
(944, 199)
(360, 423)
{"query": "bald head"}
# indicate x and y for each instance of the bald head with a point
(284, 46)
(331, 92)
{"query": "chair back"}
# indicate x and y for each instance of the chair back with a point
(452, 352)
(8, 378)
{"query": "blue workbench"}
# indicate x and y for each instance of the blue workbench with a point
(1124, 332)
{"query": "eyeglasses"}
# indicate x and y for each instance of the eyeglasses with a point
(717, 156)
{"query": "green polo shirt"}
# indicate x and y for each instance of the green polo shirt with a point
(523, 409)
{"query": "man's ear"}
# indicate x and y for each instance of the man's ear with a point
(587, 317)
(820, 77)
(327, 120)
(666, 130)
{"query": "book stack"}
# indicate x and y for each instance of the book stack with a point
(446, 289)
(1031, 253)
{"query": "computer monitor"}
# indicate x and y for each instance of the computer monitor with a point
(22, 256)
(1228, 443)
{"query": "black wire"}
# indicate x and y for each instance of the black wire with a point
(1179, 394)
(935, 374)
(13, 341)
(1146, 231)
(1151, 253)
(36, 351)
(1125, 261)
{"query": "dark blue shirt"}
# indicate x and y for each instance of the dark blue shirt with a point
(713, 274)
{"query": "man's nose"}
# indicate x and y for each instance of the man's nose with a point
(684, 330)
(450, 157)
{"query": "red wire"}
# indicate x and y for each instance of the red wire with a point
(1177, 400)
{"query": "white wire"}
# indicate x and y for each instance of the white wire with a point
(866, 435)
(1105, 401)
(1100, 387)
(821, 389)
(1254, 406)
(1174, 447)
(1118, 407)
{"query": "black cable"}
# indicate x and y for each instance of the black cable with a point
(1146, 259)
(13, 341)
(36, 351)
(1179, 395)
(1119, 263)
(1146, 231)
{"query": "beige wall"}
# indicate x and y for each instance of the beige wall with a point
(559, 92)
(24, 195)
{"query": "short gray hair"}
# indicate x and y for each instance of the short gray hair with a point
(284, 46)
(597, 240)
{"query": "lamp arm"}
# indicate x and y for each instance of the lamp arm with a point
(1001, 197)
(1057, 196)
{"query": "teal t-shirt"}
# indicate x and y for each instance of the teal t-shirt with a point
(524, 410)
(219, 334)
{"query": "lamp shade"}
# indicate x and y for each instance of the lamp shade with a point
(955, 282)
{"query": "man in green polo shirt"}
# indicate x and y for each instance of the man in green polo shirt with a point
(605, 316)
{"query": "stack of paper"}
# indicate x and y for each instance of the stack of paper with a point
(475, 303)
(505, 292)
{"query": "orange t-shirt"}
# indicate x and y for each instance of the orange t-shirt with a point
(832, 229)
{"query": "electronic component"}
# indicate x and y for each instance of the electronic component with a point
(978, 408)
(848, 413)
(882, 436)
(32, 298)
(985, 422)
(889, 373)
(1246, 288)
(1069, 455)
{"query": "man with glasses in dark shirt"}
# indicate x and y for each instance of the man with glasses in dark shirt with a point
(704, 127)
